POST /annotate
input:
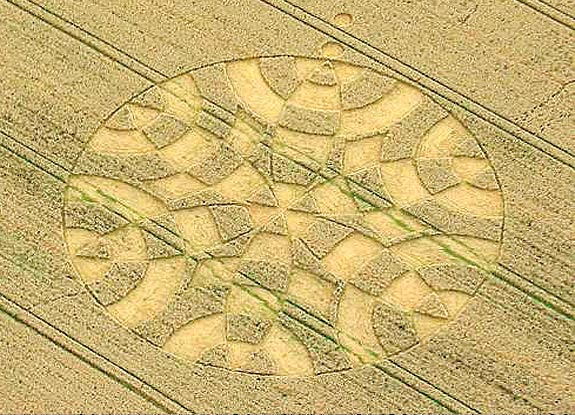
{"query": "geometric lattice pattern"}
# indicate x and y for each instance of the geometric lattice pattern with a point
(283, 216)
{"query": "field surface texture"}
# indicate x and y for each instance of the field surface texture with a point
(287, 206)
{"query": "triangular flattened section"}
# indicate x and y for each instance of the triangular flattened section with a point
(92, 217)
(231, 220)
(157, 248)
(263, 196)
(304, 259)
(370, 178)
(485, 180)
(218, 356)
(122, 120)
(277, 225)
(270, 275)
(152, 98)
(307, 204)
(259, 363)
(286, 170)
(168, 222)
(322, 236)
(324, 75)
(468, 147)
(358, 223)
(366, 187)
(261, 159)
(432, 306)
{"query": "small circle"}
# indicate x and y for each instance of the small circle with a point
(343, 19)
(332, 50)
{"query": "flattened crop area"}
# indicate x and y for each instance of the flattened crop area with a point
(309, 230)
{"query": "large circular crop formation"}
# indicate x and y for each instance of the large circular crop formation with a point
(283, 216)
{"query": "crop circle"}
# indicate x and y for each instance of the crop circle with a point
(283, 216)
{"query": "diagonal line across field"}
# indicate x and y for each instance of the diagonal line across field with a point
(59, 173)
(402, 70)
(128, 61)
(53, 169)
(154, 76)
(551, 12)
(91, 357)
(94, 42)
(414, 76)
(68, 343)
